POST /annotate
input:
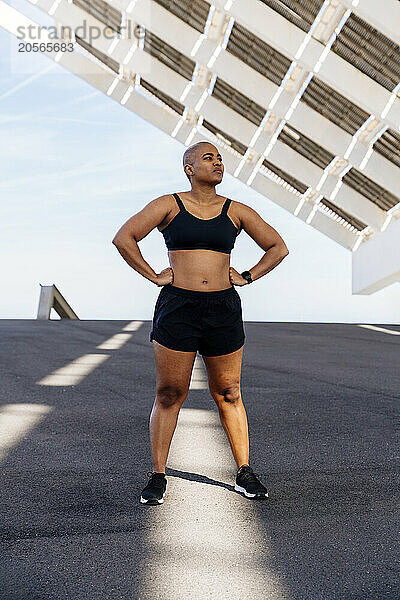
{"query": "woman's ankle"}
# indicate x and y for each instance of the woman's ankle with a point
(243, 465)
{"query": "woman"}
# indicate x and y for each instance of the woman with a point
(198, 308)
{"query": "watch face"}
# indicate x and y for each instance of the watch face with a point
(247, 276)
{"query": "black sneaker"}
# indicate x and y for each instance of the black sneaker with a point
(154, 491)
(248, 484)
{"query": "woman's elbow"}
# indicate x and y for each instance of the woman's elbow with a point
(284, 251)
(119, 241)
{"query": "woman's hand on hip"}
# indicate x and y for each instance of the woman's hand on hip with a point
(235, 278)
(166, 276)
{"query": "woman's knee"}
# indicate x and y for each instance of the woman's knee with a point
(170, 395)
(229, 394)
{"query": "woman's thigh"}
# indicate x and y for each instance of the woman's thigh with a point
(173, 369)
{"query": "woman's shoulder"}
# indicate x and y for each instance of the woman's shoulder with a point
(238, 208)
(238, 204)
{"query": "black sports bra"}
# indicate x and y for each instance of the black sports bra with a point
(187, 232)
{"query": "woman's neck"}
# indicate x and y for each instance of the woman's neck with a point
(203, 195)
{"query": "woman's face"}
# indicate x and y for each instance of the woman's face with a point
(208, 166)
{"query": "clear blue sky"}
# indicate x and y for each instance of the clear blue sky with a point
(76, 165)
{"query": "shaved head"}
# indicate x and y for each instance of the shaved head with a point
(189, 156)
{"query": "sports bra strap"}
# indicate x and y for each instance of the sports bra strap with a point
(225, 207)
(180, 203)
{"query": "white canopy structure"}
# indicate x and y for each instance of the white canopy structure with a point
(302, 96)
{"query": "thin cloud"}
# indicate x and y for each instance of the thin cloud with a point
(56, 107)
(90, 167)
(71, 120)
(27, 81)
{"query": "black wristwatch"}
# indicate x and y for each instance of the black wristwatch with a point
(247, 276)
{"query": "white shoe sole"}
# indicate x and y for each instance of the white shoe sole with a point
(159, 501)
(247, 494)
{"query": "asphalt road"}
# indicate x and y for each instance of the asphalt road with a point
(322, 402)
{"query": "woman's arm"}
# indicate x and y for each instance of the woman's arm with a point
(135, 229)
(266, 237)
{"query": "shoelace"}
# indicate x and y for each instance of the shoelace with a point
(155, 479)
(249, 475)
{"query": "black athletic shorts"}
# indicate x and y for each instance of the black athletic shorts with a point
(190, 320)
